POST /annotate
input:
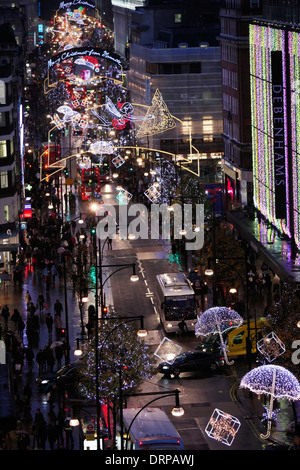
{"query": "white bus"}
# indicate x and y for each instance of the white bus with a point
(149, 429)
(178, 302)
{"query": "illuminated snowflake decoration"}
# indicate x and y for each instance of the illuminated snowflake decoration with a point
(271, 347)
(222, 427)
(124, 197)
(167, 351)
(118, 161)
(273, 416)
(152, 194)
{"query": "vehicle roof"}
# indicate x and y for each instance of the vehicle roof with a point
(175, 284)
(152, 422)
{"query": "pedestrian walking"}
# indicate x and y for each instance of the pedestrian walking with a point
(27, 299)
(41, 302)
(49, 323)
(31, 308)
(53, 273)
(69, 434)
(52, 435)
(41, 360)
(58, 308)
(39, 430)
(59, 352)
(50, 359)
(16, 317)
(109, 243)
(5, 314)
(57, 325)
(29, 356)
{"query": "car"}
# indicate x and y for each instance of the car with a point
(64, 377)
(191, 361)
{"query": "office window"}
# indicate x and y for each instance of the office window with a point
(2, 92)
(3, 179)
(177, 18)
(3, 148)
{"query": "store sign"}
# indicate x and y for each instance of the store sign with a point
(278, 107)
(27, 211)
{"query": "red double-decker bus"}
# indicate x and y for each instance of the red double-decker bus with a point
(51, 155)
(89, 183)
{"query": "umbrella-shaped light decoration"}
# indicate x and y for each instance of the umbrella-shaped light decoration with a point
(218, 320)
(275, 381)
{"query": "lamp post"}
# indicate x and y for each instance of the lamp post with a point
(176, 411)
(63, 252)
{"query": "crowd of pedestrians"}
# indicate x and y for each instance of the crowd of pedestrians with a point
(31, 353)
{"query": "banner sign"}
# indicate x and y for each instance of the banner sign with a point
(279, 135)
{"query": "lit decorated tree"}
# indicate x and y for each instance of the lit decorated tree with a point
(283, 319)
(123, 358)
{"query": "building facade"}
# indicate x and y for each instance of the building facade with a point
(11, 142)
(275, 108)
(235, 16)
(179, 59)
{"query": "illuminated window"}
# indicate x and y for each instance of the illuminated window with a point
(3, 179)
(3, 149)
(2, 92)
(208, 128)
(177, 18)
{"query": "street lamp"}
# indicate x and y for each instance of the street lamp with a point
(63, 252)
(176, 411)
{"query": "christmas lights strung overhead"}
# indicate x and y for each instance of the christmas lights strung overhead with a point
(274, 381)
(158, 118)
(218, 320)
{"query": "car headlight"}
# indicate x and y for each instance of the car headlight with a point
(165, 367)
(44, 382)
(169, 325)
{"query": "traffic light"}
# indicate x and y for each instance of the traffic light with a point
(93, 230)
(62, 333)
(104, 310)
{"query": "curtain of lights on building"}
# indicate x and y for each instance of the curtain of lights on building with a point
(263, 40)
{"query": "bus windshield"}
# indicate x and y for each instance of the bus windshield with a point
(178, 307)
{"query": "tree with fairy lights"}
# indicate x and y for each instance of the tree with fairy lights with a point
(283, 319)
(123, 363)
